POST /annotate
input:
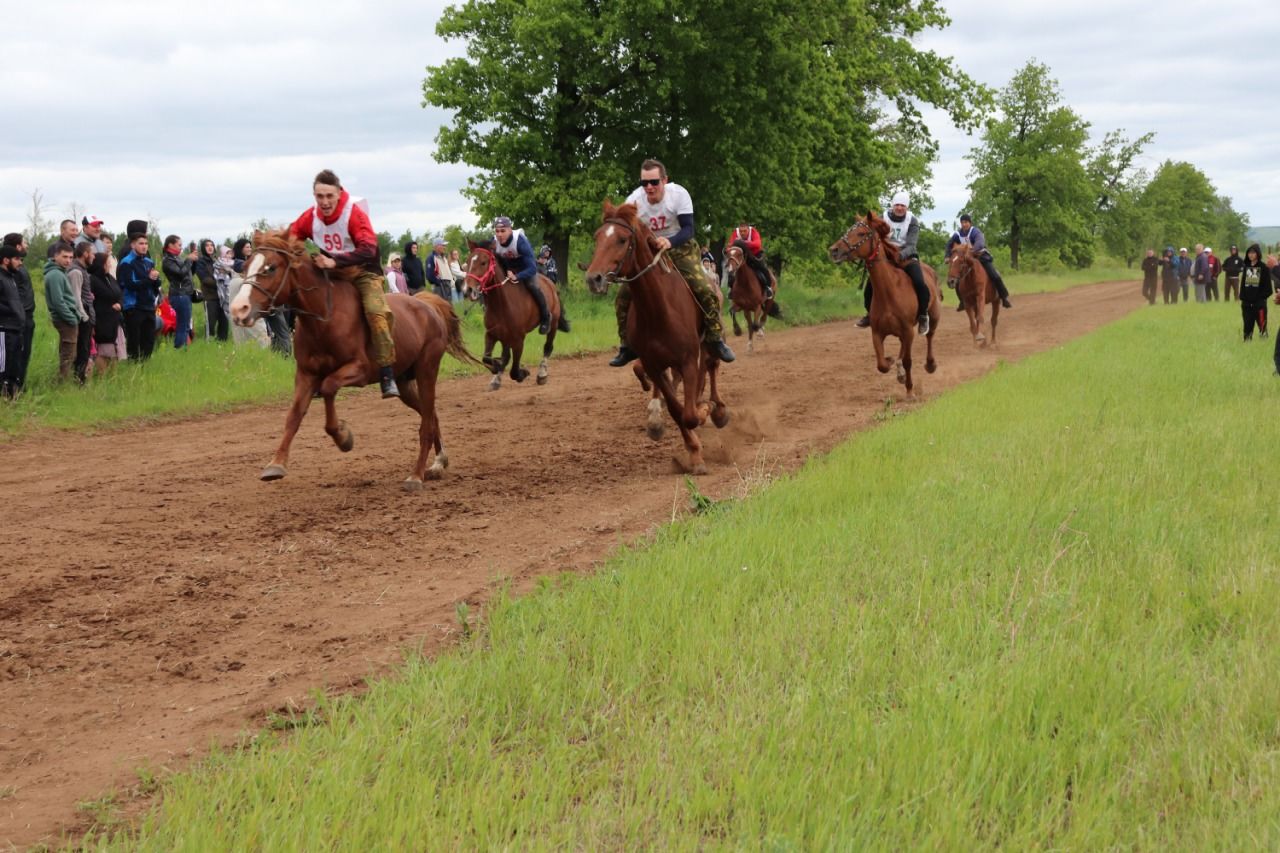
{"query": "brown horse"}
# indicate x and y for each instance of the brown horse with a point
(747, 295)
(664, 326)
(893, 300)
(510, 314)
(973, 288)
(332, 344)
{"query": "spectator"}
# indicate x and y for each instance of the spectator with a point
(396, 280)
(27, 294)
(459, 275)
(222, 272)
(257, 333)
(439, 272)
(13, 318)
(1215, 267)
(92, 233)
(63, 305)
(106, 305)
(547, 264)
(140, 283)
(1184, 274)
(78, 274)
(207, 270)
(1169, 277)
(240, 255)
(411, 265)
(1150, 272)
(1255, 287)
(1200, 273)
(177, 269)
(68, 231)
(1231, 269)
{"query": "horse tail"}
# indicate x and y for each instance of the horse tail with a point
(454, 344)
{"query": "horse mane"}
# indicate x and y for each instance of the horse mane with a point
(283, 241)
(882, 228)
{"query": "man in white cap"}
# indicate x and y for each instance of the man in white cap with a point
(92, 233)
(904, 232)
(439, 273)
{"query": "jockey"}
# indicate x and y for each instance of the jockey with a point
(904, 231)
(340, 226)
(667, 209)
(514, 254)
(968, 233)
(748, 238)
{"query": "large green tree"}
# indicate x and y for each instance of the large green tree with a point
(1029, 182)
(1120, 220)
(789, 113)
(1181, 206)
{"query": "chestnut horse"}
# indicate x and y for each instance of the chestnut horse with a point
(747, 295)
(973, 288)
(510, 314)
(893, 299)
(664, 326)
(332, 345)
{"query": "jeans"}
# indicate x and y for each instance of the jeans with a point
(182, 330)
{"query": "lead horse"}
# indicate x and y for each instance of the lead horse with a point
(973, 288)
(510, 314)
(332, 345)
(893, 300)
(664, 326)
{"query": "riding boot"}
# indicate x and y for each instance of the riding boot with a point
(625, 355)
(713, 333)
(563, 324)
(544, 316)
(387, 380)
(864, 321)
(913, 271)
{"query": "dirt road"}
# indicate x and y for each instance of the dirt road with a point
(157, 597)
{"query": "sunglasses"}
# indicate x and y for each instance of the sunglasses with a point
(650, 182)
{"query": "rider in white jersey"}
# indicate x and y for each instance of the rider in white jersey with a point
(904, 231)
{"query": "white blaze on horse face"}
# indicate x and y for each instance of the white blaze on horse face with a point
(241, 308)
(609, 232)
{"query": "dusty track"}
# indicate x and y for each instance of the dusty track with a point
(156, 596)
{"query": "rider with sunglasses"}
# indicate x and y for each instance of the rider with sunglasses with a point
(667, 209)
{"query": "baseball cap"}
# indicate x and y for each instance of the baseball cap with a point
(440, 241)
(502, 222)
(91, 220)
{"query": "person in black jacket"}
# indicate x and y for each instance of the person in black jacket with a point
(27, 294)
(107, 301)
(177, 269)
(1150, 272)
(13, 318)
(411, 264)
(1255, 287)
(1231, 269)
(1169, 277)
(205, 270)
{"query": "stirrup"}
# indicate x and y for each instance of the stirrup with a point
(625, 355)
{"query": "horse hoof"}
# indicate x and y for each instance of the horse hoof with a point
(930, 366)
(435, 472)
(442, 460)
(272, 472)
(347, 441)
(655, 431)
(720, 417)
(542, 379)
(495, 383)
(521, 376)
(700, 469)
(413, 484)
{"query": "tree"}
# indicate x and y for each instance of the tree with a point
(1120, 220)
(1028, 178)
(791, 116)
(1182, 207)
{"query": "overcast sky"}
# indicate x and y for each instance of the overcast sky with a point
(207, 116)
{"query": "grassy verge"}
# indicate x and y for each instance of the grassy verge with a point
(1038, 612)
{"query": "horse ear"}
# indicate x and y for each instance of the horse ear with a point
(607, 208)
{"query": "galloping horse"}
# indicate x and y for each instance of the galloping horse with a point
(509, 315)
(893, 300)
(664, 326)
(747, 295)
(332, 346)
(973, 288)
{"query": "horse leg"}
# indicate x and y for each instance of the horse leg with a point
(428, 432)
(487, 359)
(638, 369)
(337, 430)
(655, 426)
(547, 349)
(518, 373)
(995, 315)
(719, 411)
(733, 315)
(304, 385)
(678, 413)
(877, 341)
(904, 363)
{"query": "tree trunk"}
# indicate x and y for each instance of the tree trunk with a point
(560, 252)
(1015, 243)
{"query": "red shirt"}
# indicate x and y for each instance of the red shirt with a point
(359, 228)
(752, 240)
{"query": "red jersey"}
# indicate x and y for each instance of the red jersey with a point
(346, 235)
(752, 240)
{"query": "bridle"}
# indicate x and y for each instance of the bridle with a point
(615, 275)
(852, 248)
(966, 271)
(490, 273)
(291, 260)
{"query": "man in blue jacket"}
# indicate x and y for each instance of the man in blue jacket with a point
(969, 233)
(140, 283)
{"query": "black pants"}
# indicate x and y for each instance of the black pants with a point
(1211, 290)
(1001, 290)
(84, 346)
(26, 343)
(531, 285)
(913, 271)
(1170, 289)
(10, 358)
(759, 266)
(1254, 313)
(278, 329)
(216, 318)
(1149, 290)
(140, 333)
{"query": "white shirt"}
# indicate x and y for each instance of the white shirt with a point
(663, 218)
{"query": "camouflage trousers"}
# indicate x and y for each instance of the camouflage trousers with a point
(379, 317)
(688, 260)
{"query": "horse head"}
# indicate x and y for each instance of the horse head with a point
(961, 264)
(618, 240)
(267, 278)
(733, 259)
(482, 269)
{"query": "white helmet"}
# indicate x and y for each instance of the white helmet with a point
(901, 198)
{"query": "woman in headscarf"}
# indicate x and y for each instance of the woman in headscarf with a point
(411, 266)
(107, 300)
(206, 271)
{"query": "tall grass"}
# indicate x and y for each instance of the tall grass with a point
(1038, 612)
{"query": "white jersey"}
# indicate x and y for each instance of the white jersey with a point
(337, 236)
(898, 230)
(663, 218)
(512, 249)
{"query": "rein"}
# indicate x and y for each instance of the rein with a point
(869, 235)
(489, 281)
(616, 275)
(291, 261)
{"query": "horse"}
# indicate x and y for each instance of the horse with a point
(893, 300)
(747, 295)
(509, 315)
(664, 327)
(973, 288)
(332, 344)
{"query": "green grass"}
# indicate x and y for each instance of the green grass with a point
(1038, 612)
(1053, 282)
